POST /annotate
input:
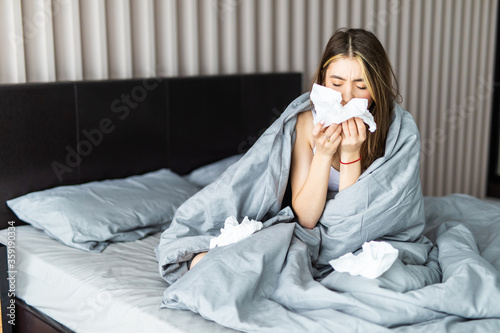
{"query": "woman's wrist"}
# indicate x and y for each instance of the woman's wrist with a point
(324, 157)
(350, 168)
(349, 157)
(350, 162)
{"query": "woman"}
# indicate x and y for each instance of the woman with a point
(332, 158)
(355, 64)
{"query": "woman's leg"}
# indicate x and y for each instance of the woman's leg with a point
(197, 258)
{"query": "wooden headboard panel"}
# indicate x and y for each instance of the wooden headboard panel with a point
(54, 134)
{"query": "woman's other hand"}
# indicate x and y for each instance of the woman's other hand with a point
(327, 139)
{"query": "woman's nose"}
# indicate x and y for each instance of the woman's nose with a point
(346, 96)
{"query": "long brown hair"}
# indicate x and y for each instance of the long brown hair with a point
(379, 78)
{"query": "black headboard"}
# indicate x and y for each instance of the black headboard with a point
(54, 134)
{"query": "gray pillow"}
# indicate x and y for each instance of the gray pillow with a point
(90, 215)
(208, 173)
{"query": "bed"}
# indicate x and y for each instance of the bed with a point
(141, 134)
(138, 126)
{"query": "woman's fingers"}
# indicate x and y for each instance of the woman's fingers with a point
(354, 127)
(353, 134)
(319, 134)
(331, 130)
(338, 138)
(361, 128)
(345, 129)
(318, 129)
(350, 127)
(328, 137)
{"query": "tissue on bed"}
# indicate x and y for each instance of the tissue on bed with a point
(376, 258)
(328, 107)
(234, 232)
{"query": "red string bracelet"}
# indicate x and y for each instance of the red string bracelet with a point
(346, 163)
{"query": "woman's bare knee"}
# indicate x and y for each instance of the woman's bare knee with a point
(197, 258)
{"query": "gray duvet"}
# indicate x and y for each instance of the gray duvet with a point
(446, 277)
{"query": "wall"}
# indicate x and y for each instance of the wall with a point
(442, 52)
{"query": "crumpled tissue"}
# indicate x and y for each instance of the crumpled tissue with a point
(328, 107)
(234, 232)
(377, 257)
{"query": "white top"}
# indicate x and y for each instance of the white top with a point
(333, 181)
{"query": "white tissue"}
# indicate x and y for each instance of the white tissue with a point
(234, 232)
(328, 107)
(375, 260)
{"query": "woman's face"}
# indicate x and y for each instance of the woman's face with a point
(346, 76)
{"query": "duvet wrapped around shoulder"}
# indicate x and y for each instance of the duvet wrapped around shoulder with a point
(279, 278)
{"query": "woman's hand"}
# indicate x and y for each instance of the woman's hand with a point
(327, 139)
(353, 135)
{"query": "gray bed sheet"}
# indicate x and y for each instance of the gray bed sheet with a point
(279, 279)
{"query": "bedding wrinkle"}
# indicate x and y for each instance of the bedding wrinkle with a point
(462, 266)
(247, 286)
(308, 292)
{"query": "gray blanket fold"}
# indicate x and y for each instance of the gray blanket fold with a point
(279, 279)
